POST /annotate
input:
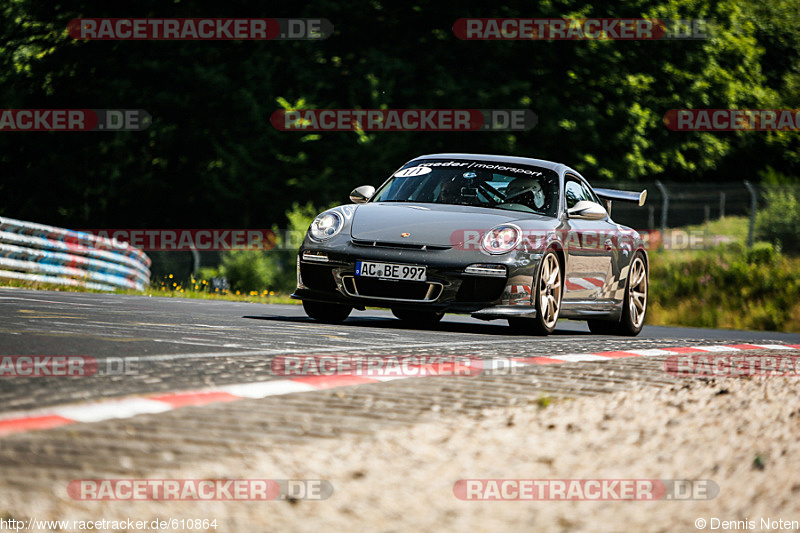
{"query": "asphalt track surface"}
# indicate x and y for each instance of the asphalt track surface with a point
(194, 345)
(182, 344)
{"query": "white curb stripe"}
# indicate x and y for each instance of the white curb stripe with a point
(96, 412)
(576, 357)
(263, 389)
(652, 351)
(716, 348)
(774, 347)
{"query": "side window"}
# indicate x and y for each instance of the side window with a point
(574, 193)
(590, 195)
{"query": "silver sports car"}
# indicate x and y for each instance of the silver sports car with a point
(497, 237)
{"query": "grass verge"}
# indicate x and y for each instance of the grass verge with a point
(728, 286)
(264, 297)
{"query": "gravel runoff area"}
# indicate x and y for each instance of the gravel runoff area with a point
(742, 434)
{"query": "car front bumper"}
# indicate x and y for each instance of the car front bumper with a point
(327, 274)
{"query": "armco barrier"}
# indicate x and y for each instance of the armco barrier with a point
(35, 252)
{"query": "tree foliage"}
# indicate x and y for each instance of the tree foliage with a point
(212, 159)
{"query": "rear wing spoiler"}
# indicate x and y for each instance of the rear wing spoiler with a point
(625, 196)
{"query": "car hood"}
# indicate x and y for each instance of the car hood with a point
(432, 224)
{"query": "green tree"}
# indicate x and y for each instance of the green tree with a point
(212, 159)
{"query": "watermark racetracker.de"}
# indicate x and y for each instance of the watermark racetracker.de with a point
(732, 119)
(74, 120)
(732, 365)
(175, 240)
(68, 366)
(441, 120)
(199, 489)
(199, 29)
(584, 489)
(550, 29)
(389, 367)
(621, 239)
(382, 366)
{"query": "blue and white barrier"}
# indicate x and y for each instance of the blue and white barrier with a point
(39, 253)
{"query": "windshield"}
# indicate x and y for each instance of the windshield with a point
(476, 183)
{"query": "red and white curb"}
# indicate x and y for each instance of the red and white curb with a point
(603, 356)
(162, 402)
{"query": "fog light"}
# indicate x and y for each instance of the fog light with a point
(482, 269)
(316, 257)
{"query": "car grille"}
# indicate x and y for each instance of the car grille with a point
(480, 289)
(399, 245)
(317, 277)
(392, 289)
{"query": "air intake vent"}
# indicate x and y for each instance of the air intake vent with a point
(399, 245)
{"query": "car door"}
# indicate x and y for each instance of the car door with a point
(589, 246)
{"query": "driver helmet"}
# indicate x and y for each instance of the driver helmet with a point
(450, 192)
(523, 185)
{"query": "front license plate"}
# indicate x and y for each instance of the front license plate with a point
(390, 271)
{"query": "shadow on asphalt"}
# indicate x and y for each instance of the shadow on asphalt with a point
(499, 328)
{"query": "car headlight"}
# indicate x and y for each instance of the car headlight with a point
(326, 226)
(501, 239)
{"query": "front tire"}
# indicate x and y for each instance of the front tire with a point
(327, 313)
(547, 299)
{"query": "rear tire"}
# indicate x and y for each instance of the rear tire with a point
(418, 318)
(634, 305)
(327, 313)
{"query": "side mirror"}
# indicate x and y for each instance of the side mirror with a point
(587, 210)
(360, 195)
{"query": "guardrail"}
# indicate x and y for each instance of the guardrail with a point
(35, 252)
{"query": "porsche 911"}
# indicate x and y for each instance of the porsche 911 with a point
(496, 237)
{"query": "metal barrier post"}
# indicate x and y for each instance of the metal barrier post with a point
(664, 205)
(195, 261)
(753, 201)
